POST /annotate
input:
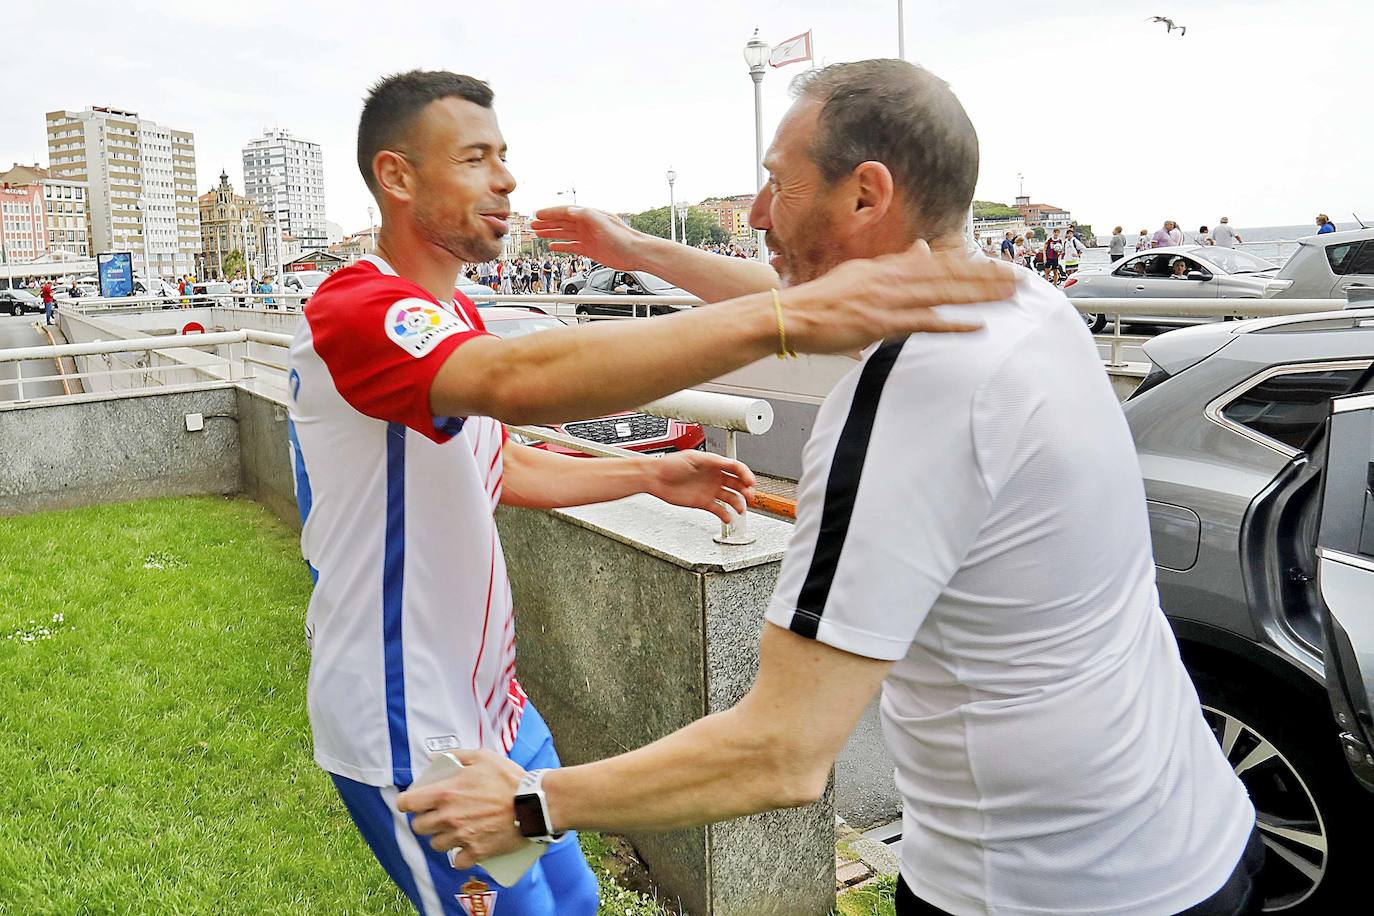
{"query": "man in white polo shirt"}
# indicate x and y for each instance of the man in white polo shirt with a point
(972, 538)
(397, 397)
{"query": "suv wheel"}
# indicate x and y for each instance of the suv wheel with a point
(1095, 321)
(1309, 808)
(570, 290)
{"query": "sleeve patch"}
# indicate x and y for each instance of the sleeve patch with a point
(418, 326)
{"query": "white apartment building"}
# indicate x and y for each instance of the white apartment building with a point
(284, 176)
(141, 185)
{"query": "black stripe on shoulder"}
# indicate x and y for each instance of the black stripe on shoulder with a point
(842, 486)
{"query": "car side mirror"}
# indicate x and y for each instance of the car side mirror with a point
(1198, 275)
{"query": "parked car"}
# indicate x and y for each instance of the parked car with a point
(155, 286)
(303, 284)
(1262, 519)
(1207, 272)
(1329, 266)
(19, 301)
(639, 432)
(573, 284)
(607, 281)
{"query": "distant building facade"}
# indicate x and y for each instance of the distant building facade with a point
(731, 214)
(140, 181)
(1043, 216)
(231, 222)
(42, 215)
(284, 175)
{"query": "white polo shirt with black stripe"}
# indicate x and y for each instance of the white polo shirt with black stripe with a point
(971, 508)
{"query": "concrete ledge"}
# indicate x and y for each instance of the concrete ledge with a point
(86, 450)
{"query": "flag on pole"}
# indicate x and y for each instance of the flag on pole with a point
(792, 50)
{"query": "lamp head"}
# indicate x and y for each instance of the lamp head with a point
(756, 53)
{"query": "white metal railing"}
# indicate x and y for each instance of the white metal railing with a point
(121, 304)
(1115, 307)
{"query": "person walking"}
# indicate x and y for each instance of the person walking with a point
(1054, 250)
(1073, 252)
(1175, 233)
(1204, 236)
(972, 543)
(1223, 236)
(49, 301)
(1162, 238)
(1116, 249)
(396, 408)
(1142, 241)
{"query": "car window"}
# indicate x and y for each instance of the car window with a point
(1340, 256)
(1363, 261)
(1133, 267)
(1289, 407)
(601, 280)
(652, 282)
(1233, 260)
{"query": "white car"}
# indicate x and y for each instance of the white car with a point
(303, 283)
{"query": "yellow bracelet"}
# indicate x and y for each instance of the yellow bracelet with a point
(783, 352)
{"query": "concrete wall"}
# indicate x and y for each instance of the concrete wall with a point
(89, 449)
(265, 466)
(632, 623)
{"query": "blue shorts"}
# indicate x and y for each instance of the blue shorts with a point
(559, 884)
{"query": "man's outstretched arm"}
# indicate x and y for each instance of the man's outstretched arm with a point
(537, 479)
(589, 371)
(605, 238)
(773, 749)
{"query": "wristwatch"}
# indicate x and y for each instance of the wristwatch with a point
(532, 810)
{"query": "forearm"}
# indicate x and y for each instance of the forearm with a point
(719, 767)
(590, 371)
(709, 277)
(536, 479)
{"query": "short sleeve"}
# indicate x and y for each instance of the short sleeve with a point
(383, 340)
(890, 501)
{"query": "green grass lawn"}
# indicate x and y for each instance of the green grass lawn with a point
(155, 750)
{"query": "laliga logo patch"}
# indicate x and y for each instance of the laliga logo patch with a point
(477, 898)
(417, 326)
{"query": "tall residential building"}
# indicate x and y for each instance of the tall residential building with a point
(284, 176)
(231, 222)
(731, 214)
(141, 179)
(42, 215)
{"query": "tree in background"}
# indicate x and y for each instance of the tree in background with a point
(987, 209)
(234, 263)
(700, 228)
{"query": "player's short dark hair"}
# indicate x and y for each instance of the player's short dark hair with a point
(393, 104)
(908, 119)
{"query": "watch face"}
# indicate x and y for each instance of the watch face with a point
(529, 814)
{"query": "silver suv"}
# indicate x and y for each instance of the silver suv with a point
(1257, 450)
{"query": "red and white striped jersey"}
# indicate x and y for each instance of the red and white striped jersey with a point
(410, 628)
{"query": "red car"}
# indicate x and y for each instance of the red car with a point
(638, 432)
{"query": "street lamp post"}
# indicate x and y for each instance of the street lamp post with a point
(672, 206)
(901, 33)
(756, 56)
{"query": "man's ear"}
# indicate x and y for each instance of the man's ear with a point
(393, 175)
(874, 191)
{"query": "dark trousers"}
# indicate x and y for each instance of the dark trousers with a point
(1237, 897)
(1117, 257)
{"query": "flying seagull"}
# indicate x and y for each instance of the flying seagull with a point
(1169, 25)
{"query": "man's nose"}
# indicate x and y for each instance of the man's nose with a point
(504, 181)
(759, 212)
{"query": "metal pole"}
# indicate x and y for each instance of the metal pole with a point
(757, 77)
(736, 532)
(672, 212)
(901, 33)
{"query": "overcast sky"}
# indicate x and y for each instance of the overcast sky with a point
(1259, 112)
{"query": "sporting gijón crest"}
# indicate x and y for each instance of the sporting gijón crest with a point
(477, 898)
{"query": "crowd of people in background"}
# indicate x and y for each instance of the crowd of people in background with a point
(546, 274)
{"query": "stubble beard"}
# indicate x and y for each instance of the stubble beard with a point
(470, 249)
